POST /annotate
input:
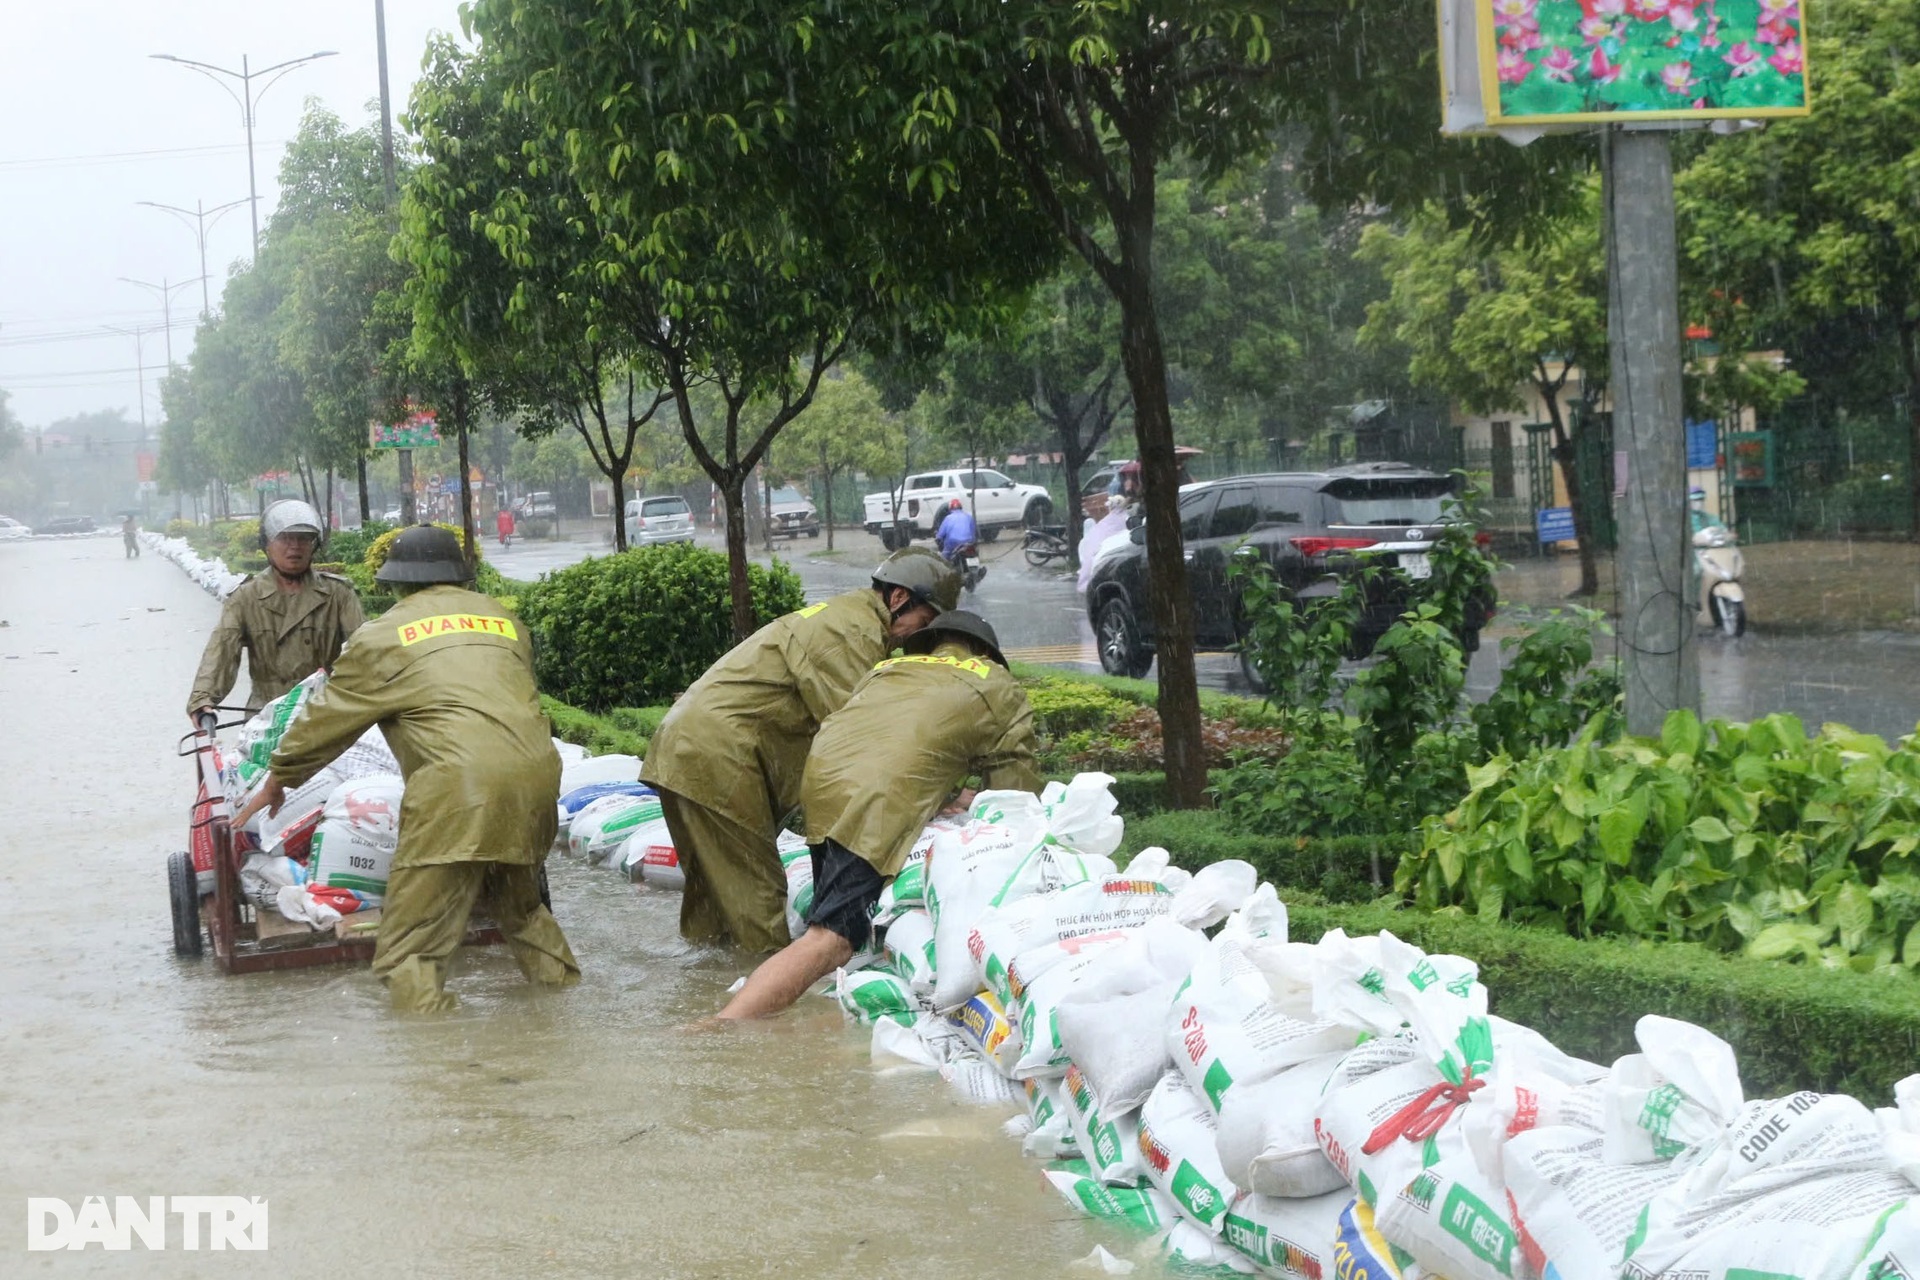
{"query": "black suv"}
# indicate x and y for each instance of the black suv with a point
(1308, 527)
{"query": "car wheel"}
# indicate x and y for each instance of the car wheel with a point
(183, 895)
(889, 539)
(1038, 512)
(813, 533)
(1119, 642)
(989, 533)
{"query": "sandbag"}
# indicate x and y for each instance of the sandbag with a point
(572, 802)
(1267, 1143)
(1178, 1139)
(570, 753)
(873, 994)
(1117, 1045)
(264, 875)
(1359, 1250)
(1102, 972)
(1052, 1135)
(1453, 1220)
(1814, 1230)
(581, 773)
(980, 1083)
(649, 857)
(909, 943)
(1146, 1207)
(603, 825)
(1678, 1093)
(1572, 1209)
(1188, 1249)
(1110, 1141)
(355, 843)
(1892, 1251)
(907, 890)
(984, 1022)
(796, 863)
(1293, 1238)
(929, 1042)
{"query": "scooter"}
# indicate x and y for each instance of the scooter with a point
(966, 558)
(1718, 564)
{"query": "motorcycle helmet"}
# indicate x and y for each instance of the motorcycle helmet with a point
(928, 578)
(290, 515)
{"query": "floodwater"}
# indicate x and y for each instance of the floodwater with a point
(577, 1133)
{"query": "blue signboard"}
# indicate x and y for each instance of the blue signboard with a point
(1703, 446)
(1555, 524)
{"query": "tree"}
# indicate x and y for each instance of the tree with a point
(1814, 224)
(846, 429)
(754, 241)
(1481, 320)
(12, 436)
(509, 278)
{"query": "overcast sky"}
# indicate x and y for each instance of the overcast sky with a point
(90, 124)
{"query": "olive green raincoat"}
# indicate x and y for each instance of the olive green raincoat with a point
(447, 674)
(915, 729)
(287, 636)
(729, 758)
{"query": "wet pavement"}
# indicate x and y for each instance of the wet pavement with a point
(1866, 679)
(575, 1134)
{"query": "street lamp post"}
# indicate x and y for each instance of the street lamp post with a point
(137, 333)
(247, 99)
(203, 217)
(166, 292)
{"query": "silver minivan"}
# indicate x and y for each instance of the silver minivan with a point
(651, 521)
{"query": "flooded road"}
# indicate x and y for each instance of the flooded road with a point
(566, 1134)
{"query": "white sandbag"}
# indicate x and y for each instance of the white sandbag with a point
(1187, 1249)
(264, 875)
(872, 994)
(1178, 1139)
(984, 1022)
(1146, 1206)
(1109, 1141)
(599, 830)
(1018, 845)
(262, 732)
(1573, 1210)
(1293, 1238)
(1239, 1020)
(301, 811)
(1052, 1136)
(910, 944)
(1892, 1251)
(1813, 1230)
(581, 773)
(570, 753)
(1771, 1147)
(294, 903)
(1900, 1126)
(796, 863)
(980, 1083)
(929, 1042)
(1118, 1046)
(1045, 929)
(1454, 1221)
(907, 890)
(1345, 1119)
(1679, 1092)
(355, 843)
(649, 857)
(1267, 1144)
(1092, 975)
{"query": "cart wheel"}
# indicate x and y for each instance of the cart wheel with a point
(183, 893)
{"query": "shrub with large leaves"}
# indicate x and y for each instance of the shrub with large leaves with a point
(1752, 837)
(635, 629)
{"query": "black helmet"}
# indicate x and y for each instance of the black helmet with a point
(424, 554)
(956, 622)
(926, 576)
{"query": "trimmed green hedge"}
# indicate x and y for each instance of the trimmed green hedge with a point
(1793, 1027)
(619, 732)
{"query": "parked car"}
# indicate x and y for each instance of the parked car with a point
(651, 521)
(997, 501)
(66, 524)
(790, 514)
(537, 505)
(1309, 528)
(1093, 491)
(11, 529)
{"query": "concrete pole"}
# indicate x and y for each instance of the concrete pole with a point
(1660, 667)
(408, 514)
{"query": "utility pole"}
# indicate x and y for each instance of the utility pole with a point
(1661, 669)
(203, 218)
(166, 291)
(408, 512)
(247, 100)
(138, 332)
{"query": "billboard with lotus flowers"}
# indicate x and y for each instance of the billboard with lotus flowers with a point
(1549, 62)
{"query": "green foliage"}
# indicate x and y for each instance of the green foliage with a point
(239, 540)
(182, 529)
(1792, 1027)
(376, 553)
(1062, 707)
(1751, 837)
(637, 628)
(349, 546)
(1549, 686)
(610, 734)
(1337, 868)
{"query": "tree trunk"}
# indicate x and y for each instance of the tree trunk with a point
(1568, 461)
(619, 507)
(1145, 359)
(1070, 466)
(1910, 362)
(829, 506)
(329, 499)
(360, 478)
(732, 492)
(466, 476)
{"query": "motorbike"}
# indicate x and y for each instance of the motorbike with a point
(1718, 564)
(1046, 543)
(966, 558)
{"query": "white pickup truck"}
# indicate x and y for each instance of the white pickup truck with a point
(998, 503)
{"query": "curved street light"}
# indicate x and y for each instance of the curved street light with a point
(247, 99)
(202, 218)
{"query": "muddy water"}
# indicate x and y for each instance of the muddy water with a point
(568, 1134)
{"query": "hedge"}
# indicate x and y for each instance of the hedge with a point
(1791, 1026)
(624, 731)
